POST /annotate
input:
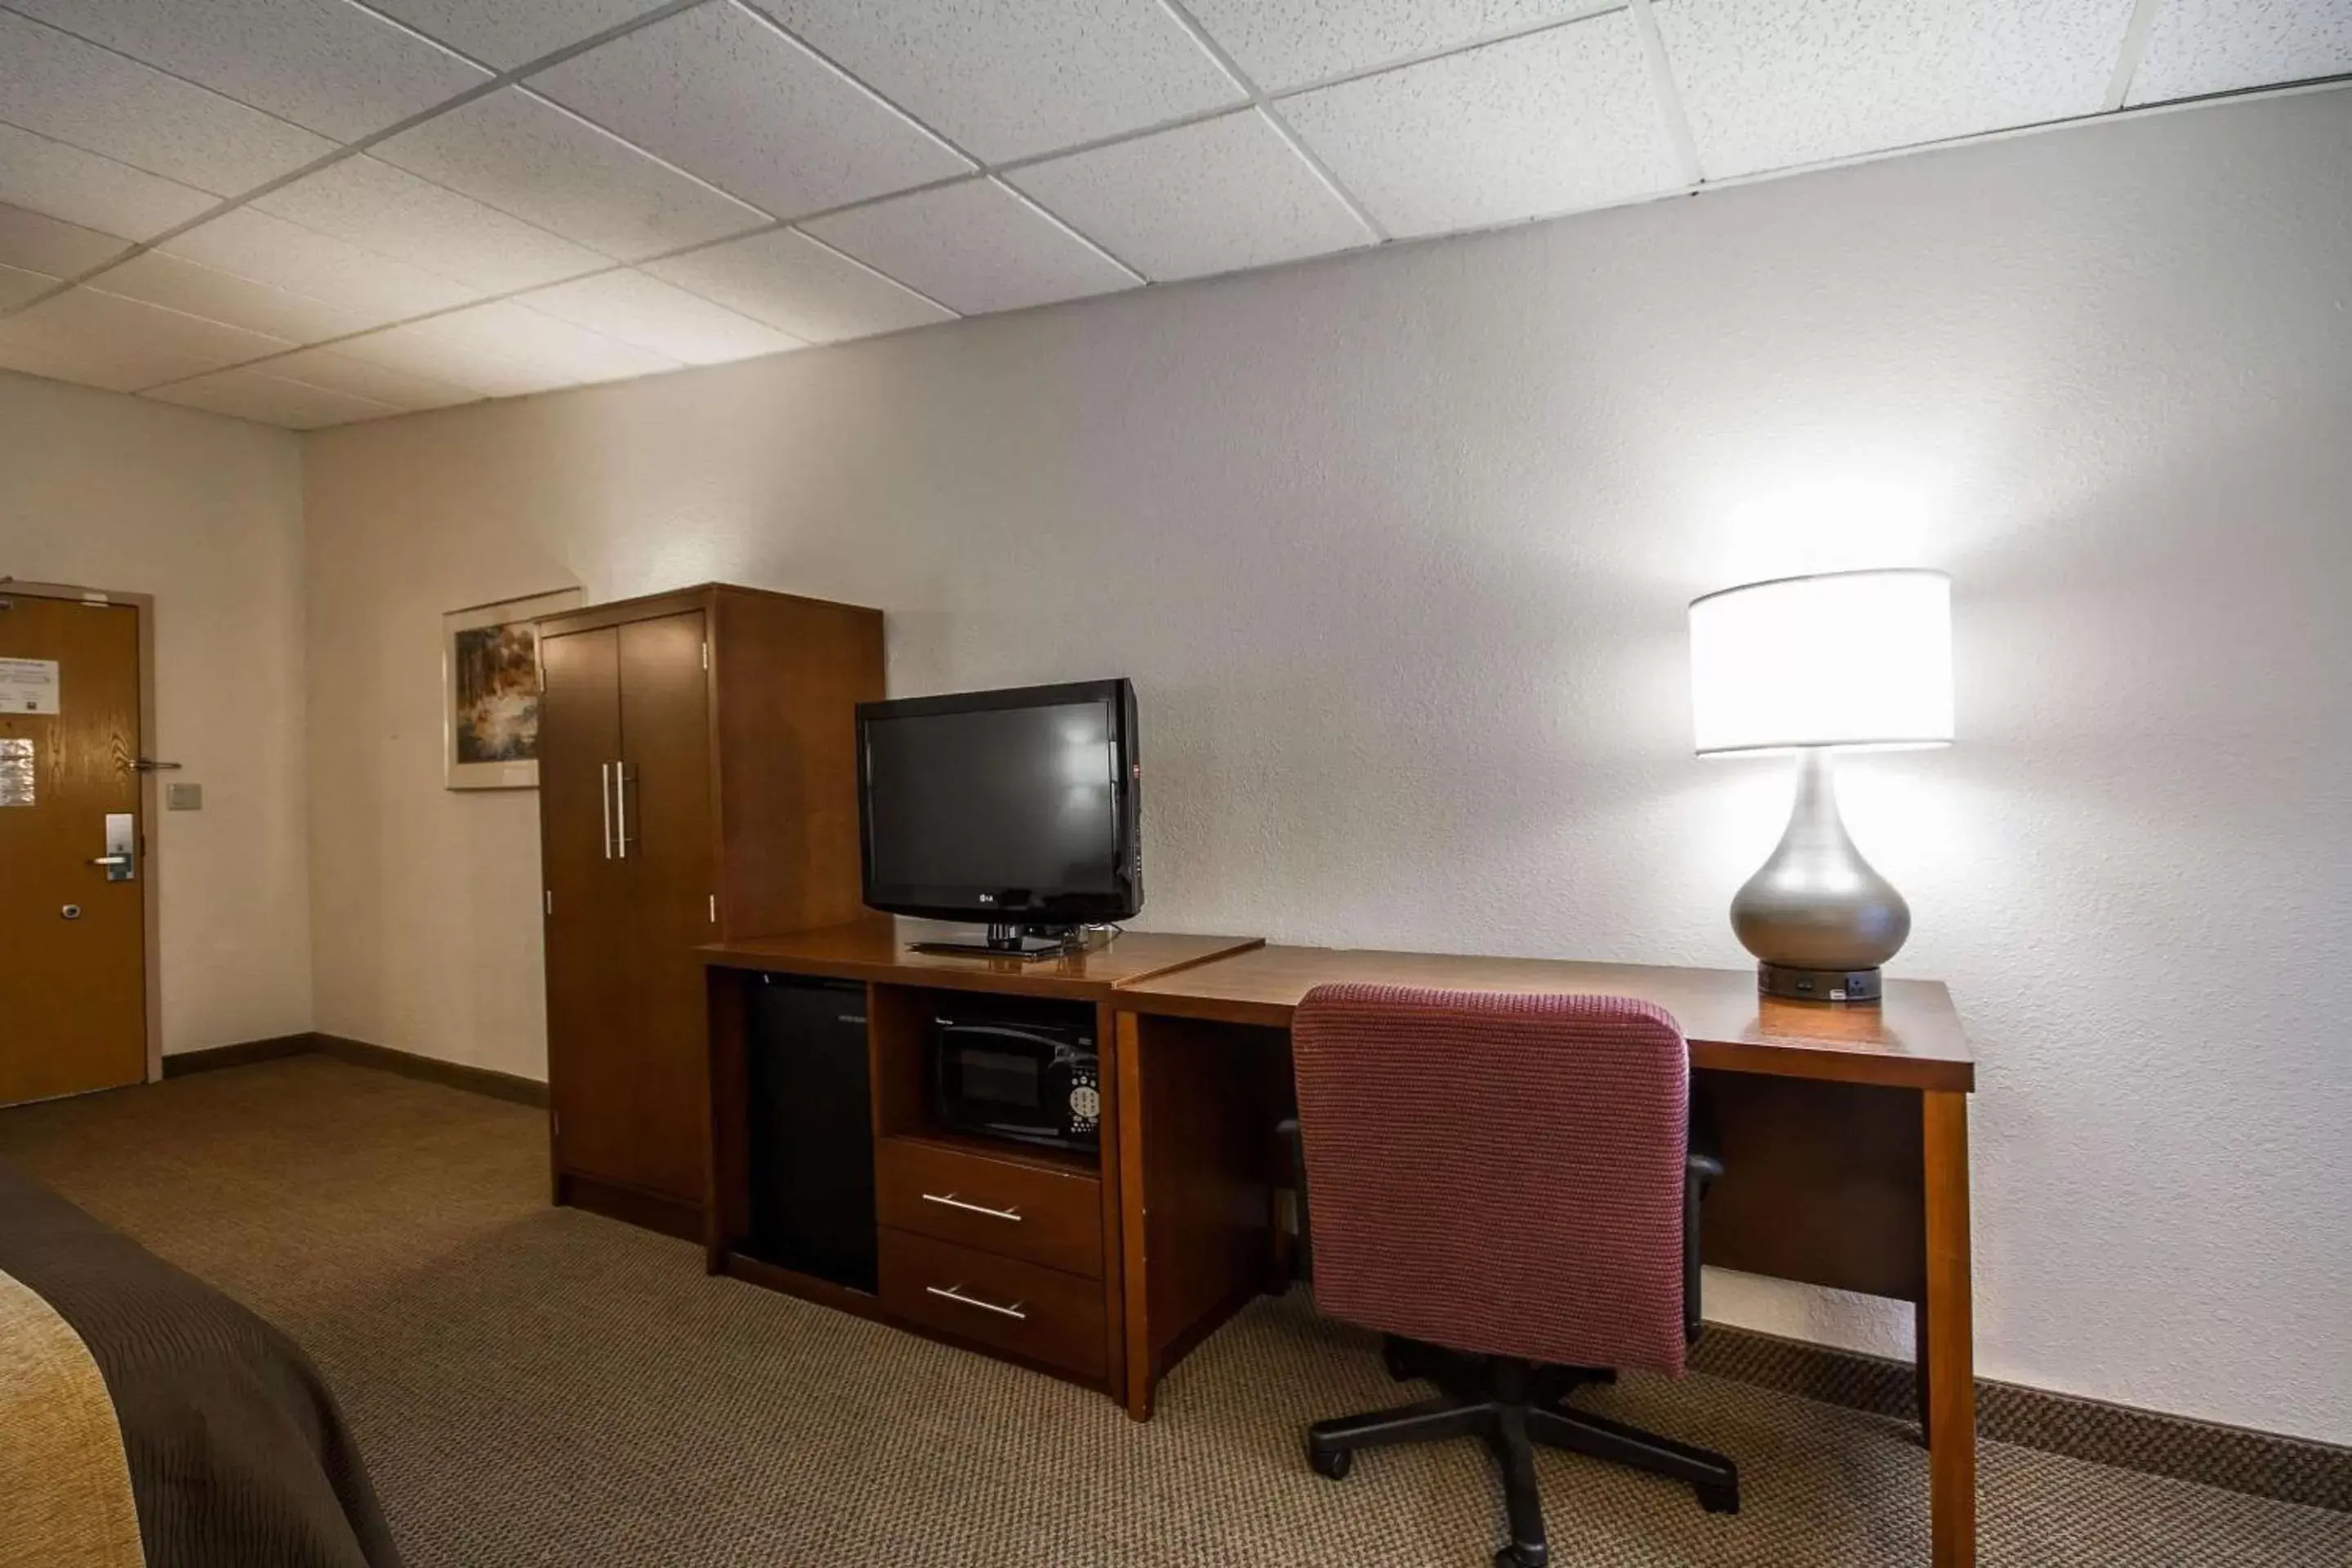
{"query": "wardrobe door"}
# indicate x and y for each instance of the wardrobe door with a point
(589, 1007)
(668, 848)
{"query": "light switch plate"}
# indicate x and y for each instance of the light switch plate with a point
(183, 797)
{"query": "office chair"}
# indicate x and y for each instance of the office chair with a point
(1506, 1187)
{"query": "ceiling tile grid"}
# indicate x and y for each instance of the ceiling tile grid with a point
(451, 199)
(1297, 43)
(122, 345)
(506, 34)
(43, 244)
(658, 317)
(1547, 122)
(1771, 86)
(325, 65)
(975, 247)
(192, 288)
(2197, 46)
(801, 286)
(376, 206)
(87, 188)
(546, 165)
(56, 85)
(723, 93)
(1217, 196)
(1008, 79)
(252, 394)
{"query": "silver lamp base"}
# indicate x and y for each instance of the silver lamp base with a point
(1820, 916)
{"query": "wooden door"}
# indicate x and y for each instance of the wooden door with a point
(73, 984)
(589, 1007)
(665, 798)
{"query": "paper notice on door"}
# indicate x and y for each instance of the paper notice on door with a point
(15, 772)
(28, 686)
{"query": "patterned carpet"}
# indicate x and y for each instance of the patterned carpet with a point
(542, 1386)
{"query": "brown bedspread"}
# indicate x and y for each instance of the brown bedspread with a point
(237, 1452)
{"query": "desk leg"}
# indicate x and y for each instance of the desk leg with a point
(1949, 1353)
(1136, 1284)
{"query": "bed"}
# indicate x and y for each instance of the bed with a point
(145, 1418)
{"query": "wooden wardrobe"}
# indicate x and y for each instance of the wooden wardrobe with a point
(698, 782)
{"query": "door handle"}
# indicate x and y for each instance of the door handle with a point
(948, 1200)
(122, 857)
(955, 1293)
(621, 808)
(605, 799)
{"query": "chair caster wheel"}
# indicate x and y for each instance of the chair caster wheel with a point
(1718, 1500)
(1331, 1464)
(1516, 1556)
(1401, 1365)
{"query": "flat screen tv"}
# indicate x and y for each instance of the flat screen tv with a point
(1015, 808)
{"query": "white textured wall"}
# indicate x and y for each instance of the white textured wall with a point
(206, 513)
(1396, 548)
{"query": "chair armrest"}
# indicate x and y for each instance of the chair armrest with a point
(1702, 1166)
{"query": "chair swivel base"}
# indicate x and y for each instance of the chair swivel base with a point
(1512, 1405)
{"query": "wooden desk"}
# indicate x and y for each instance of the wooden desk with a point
(1844, 1136)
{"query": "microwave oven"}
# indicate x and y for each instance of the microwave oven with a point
(1009, 1075)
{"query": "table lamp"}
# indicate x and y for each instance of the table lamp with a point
(1843, 660)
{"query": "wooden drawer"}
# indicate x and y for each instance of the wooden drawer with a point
(1018, 1210)
(1042, 1314)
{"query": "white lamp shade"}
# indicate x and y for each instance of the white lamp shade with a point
(1847, 658)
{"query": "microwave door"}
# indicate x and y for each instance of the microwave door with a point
(997, 1078)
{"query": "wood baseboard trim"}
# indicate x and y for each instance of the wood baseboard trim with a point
(2237, 1459)
(359, 1053)
(179, 1064)
(452, 1075)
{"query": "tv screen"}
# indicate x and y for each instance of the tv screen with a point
(1003, 806)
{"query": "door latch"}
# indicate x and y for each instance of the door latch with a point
(121, 859)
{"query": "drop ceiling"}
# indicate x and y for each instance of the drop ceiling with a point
(309, 212)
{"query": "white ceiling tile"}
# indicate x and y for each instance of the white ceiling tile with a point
(1004, 79)
(18, 284)
(1546, 123)
(975, 247)
(100, 340)
(510, 33)
(286, 256)
(1216, 197)
(796, 285)
(160, 279)
(1288, 42)
(58, 86)
(726, 96)
(334, 371)
(525, 156)
(1776, 86)
(2221, 46)
(377, 207)
(324, 64)
(48, 245)
(66, 183)
(652, 315)
(504, 350)
(256, 394)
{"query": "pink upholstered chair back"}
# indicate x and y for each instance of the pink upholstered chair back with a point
(1501, 1174)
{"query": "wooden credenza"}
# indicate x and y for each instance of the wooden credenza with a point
(698, 780)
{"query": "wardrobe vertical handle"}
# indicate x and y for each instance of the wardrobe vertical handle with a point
(621, 806)
(604, 798)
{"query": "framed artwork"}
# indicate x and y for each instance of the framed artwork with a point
(490, 681)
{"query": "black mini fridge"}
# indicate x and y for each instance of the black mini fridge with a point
(812, 1129)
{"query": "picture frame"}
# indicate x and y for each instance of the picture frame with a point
(491, 679)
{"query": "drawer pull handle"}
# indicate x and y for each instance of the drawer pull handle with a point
(948, 1200)
(955, 1293)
